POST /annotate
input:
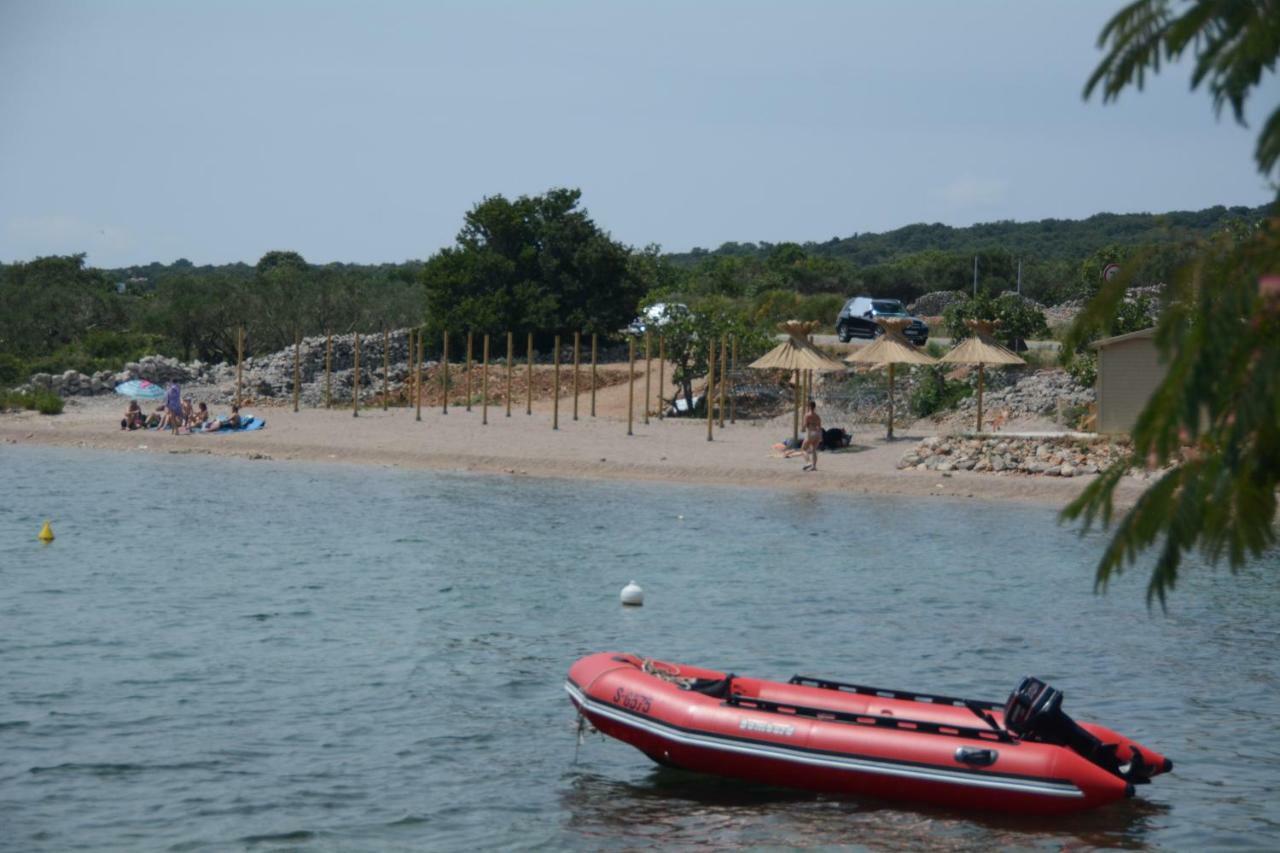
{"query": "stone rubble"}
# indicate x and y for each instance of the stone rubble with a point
(1048, 456)
(271, 376)
(1039, 393)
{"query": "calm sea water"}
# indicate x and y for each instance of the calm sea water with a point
(223, 654)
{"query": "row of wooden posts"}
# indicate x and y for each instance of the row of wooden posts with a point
(728, 358)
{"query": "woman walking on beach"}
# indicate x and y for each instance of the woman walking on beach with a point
(173, 403)
(812, 436)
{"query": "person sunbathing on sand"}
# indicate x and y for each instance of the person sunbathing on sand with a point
(199, 417)
(232, 422)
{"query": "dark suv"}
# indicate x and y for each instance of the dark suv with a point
(858, 320)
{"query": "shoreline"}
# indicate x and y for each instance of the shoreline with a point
(669, 451)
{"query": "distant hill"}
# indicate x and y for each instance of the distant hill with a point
(1048, 239)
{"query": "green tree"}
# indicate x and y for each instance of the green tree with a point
(534, 264)
(1214, 420)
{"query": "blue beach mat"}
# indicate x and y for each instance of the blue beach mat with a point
(248, 423)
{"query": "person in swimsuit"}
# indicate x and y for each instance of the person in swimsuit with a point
(232, 422)
(812, 436)
(133, 417)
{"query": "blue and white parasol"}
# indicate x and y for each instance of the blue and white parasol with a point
(140, 389)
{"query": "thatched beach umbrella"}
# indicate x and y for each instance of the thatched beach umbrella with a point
(980, 349)
(796, 353)
(891, 349)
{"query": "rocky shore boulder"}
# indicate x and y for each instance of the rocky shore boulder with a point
(1049, 456)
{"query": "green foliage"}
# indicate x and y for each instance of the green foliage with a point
(1213, 420)
(1018, 320)
(42, 401)
(688, 336)
(1083, 368)
(935, 393)
(12, 370)
(1235, 44)
(534, 264)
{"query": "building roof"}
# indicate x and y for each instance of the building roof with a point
(1119, 339)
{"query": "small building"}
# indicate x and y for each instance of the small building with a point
(1129, 370)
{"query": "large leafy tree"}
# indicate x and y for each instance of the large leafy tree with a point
(52, 301)
(538, 263)
(1213, 425)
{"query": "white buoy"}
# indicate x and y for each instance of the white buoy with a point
(632, 595)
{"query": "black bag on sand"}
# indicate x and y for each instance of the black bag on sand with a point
(835, 439)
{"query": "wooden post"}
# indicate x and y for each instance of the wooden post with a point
(709, 396)
(510, 356)
(733, 377)
(724, 360)
(469, 335)
(648, 369)
(891, 401)
(386, 367)
(484, 383)
(555, 387)
(328, 370)
(444, 374)
(595, 341)
(662, 374)
(631, 383)
(297, 367)
(528, 390)
(239, 362)
(411, 389)
(577, 363)
(355, 389)
(795, 414)
(980, 380)
(417, 375)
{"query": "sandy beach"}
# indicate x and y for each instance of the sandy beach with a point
(664, 450)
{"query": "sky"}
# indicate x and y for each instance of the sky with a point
(362, 132)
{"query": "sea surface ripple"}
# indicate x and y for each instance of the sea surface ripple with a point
(219, 654)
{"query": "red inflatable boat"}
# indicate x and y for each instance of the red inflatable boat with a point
(1024, 755)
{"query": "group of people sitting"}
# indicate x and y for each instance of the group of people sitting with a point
(187, 418)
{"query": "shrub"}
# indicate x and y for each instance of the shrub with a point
(1083, 368)
(12, 370)
(44, 402)
(934, 393)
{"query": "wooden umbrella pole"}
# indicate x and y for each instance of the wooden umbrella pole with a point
(709, 396)
(980, 378)
(662, 374)
(470, 335)
(484, 383)
(577, 362)
(297, 367)
(631, 383)
(528, 377)
(444, 374)
(648, 370)
(733, 377)
(724, 359)
(328, 370)
(891, 401)
(595, 344)
(510, 354)
(795, 414)
(355, 390)
(417, 376)
(555, 386)
(239, 362)
(386, 367)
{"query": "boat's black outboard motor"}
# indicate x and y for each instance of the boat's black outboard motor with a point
(1034, 712)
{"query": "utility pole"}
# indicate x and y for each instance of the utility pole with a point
(1019, 276)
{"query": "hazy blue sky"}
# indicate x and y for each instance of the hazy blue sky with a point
(362, 131)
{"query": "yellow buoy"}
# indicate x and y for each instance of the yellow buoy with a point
(46, 533)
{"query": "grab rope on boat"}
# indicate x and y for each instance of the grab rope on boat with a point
(666, 672)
